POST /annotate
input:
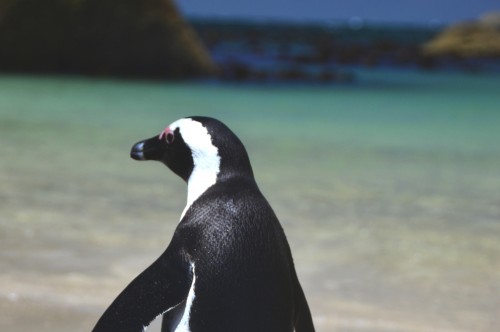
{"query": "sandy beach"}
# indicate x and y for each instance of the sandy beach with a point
(389, 193)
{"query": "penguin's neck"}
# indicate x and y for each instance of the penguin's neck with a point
(203, 176)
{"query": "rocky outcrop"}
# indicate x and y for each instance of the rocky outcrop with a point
(468, 40)
(127, 38)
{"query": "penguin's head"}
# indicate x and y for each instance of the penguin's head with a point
(197, 147)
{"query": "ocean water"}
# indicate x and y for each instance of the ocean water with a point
(388, 189)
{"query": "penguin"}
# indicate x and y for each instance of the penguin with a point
(228, 267)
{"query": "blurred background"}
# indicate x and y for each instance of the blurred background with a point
(372, 127)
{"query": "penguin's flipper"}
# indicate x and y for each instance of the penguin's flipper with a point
(160, 288)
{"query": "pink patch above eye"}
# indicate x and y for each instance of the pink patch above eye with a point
(164, 133)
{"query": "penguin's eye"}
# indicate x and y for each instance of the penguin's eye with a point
(169, 137)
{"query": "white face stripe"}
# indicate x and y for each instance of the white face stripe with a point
(205, 155)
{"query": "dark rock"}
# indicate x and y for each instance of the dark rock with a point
(131, 38)
(292, 74)
(427, 62)
(36, 35)
(324, 50)
(235, 71)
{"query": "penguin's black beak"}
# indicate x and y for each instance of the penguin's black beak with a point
(150, 149)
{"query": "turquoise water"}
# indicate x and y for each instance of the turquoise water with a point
(388, 190)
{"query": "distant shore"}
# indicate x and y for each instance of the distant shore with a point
(90, 39)
(322, 53)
